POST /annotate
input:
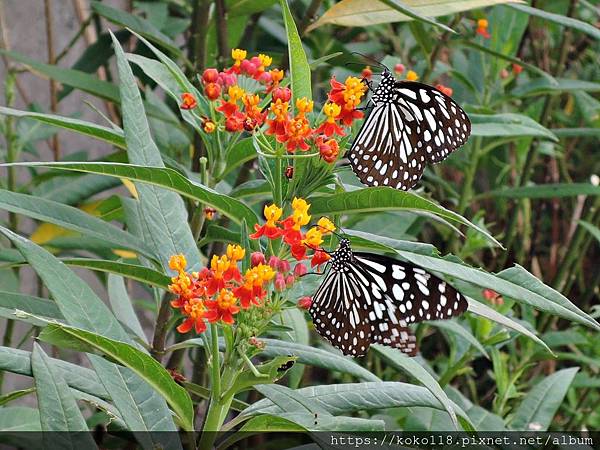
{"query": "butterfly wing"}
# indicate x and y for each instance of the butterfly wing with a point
(338, 313)
(444, 125)
(405, 294)
(385, 152)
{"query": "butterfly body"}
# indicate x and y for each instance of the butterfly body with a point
(366, 298)
(410, 124)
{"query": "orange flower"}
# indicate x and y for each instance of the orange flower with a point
(328, 150)
(223, 308)
(188, 101)
(313, 238)
(276, 76)
(325, 225)
(235, 253)
(411, 75)
(212, 91)
(178, 263)
(272, 214)
(209, 126)
(517, 69)
(296, 133)
(304, 106)
(252, 109)
(329, 127)
(195, 311)
(279, 124)
(296, 221)
(209, 213)
(482, 28)
(320, 257)
(230, 106)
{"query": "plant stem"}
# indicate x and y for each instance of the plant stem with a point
(221, 26)
(471, 170)
(453, 369)
(160, 330)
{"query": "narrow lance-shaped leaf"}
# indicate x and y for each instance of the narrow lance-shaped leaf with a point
(163, 212)
(58, 409)
(139, 362)
(71, 218)
(165, 178)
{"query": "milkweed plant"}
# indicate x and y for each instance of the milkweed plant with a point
(233, 194)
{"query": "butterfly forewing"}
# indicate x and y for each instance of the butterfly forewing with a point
(444, 125)
(409, 125)
(366, 299)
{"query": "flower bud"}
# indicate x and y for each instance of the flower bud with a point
(257, 258)
(212, 91)
(210, 75)
(289, 280)
(265, 77)
(304, 303)
(399, 68)
(504, 74)
(227, 79)
(300, 270)
(280, 284)
(283, 266)
(248, 67)
(283, 94)
(274, 261)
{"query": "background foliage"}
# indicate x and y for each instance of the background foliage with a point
(520, 201)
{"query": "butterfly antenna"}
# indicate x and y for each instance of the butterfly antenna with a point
(373, 60)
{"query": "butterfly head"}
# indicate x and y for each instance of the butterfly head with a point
(385, 88)
(342, 255)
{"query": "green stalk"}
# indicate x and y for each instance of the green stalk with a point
(467, 188)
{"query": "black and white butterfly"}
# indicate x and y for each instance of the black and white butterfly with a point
(369, 299)
(410, 124)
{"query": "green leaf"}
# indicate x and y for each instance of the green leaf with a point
(536, 411)
(121, 305)
(453, 327)
(75, 78)
(576, 132)
(9, 397)
(413, 14)
(58, 409)
(137, 24)
(359, 13)
(540, 86)
(317, 357)
(548, 79)
(165, 178)
(483, 310)
(358, 397)
(140, 406)
(139, 362)
(267, 373)
(546, 191)
(127, 270)
(78, 126)
(299, 68)
(409, 366)
(71, 218)
(507, 124)
(19, 361)
(163, 213)
(242, 152)
(11, 302)
(560, 19)
(19, 418)
(372, 199)
(74, 190)
(592, 229)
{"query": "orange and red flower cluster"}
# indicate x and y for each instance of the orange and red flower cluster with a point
(290, 230)
(218, 292)
(289, 123)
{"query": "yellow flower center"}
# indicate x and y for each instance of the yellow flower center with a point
(331, 110)
(226, 299)
(272, 214)
(238, 55)
(235, 253)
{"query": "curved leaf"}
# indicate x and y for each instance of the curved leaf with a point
(357, 397)
(359, 13)
(71, 218)
(507, 124)
(99, 132)
(58, 409)
(162, 177)
(374, 199)
(539, 406)
(560, 19)
(299, 68)
(139, 362)
(412, 368)
(546, 191)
